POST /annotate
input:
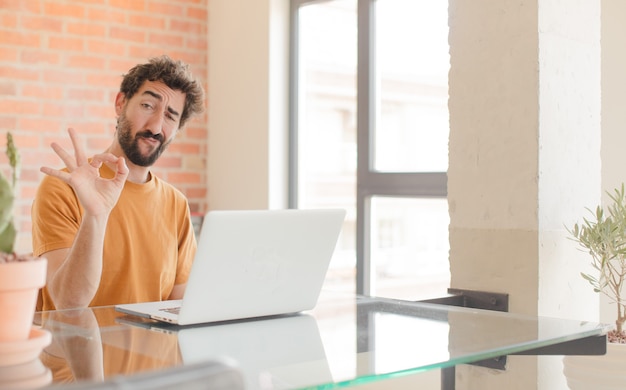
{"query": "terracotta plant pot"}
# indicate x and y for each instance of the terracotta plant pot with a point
(30, 375)
(20, 282)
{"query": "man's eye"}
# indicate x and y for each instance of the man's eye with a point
(146, 105)
(169, 116)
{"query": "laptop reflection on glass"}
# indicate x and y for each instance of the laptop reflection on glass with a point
(284, 351)
(252, 263)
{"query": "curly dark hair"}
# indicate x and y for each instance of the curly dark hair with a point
(175, 74)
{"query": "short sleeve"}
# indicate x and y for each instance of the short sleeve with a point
(56, 216)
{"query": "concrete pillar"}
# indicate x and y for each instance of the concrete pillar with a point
(613, 112)
(524, 162)
(248, 103)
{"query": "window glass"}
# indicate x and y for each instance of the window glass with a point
(409, 247)
(409, 236)
(327, 122)
(412, 64)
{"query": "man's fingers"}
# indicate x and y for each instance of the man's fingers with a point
(78, 149)
(78, 161)
(122, 170)
(98, 159)
(56, 173)
(65, 156)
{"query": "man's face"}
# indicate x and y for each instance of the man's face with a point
(148, 122)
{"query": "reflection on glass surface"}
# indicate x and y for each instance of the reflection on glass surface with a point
(391, 330)
(345, 341)
(410, 247)
(272, 353)
(412, 63)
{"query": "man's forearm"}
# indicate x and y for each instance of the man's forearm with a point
(76, 281)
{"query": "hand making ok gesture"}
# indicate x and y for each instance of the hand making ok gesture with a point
(97, 195)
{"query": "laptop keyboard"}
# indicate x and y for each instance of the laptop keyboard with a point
(173, 310)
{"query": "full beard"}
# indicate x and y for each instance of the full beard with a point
(130, 145)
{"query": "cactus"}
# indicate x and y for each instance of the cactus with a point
(7, 198)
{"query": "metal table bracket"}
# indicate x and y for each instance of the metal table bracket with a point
(473, 299)
(593, 345)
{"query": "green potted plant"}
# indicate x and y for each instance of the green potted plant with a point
(603, 236)
(21, 275)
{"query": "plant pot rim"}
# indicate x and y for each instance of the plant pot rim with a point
(19, 275)
(34, 260)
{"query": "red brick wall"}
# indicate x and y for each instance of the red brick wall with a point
(61, 63)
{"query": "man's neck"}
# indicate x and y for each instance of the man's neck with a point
(137, 175)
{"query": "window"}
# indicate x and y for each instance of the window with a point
(369, 133)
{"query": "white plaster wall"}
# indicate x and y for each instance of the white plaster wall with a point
(247, 98)
(493, 154)
(570, 164)
(613, 108)
(570, 169)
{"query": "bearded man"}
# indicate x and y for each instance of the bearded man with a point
(111, 230)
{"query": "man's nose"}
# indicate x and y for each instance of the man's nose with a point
(155, 125)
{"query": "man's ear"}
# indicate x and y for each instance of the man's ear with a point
(120, 102)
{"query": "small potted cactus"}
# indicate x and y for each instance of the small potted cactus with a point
(21, 275)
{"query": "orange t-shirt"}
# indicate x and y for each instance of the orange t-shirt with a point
(149, 242)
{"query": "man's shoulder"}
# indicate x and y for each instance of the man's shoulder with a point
(168, 188)
(51, 183)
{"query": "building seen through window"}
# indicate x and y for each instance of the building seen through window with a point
(408, 239)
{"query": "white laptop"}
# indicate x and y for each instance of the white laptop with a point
(253, 263)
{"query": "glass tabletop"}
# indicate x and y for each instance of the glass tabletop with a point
(346, 340)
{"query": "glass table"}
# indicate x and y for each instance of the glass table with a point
(346, 340)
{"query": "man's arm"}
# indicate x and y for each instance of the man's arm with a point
(74, 273)
(178, 291)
